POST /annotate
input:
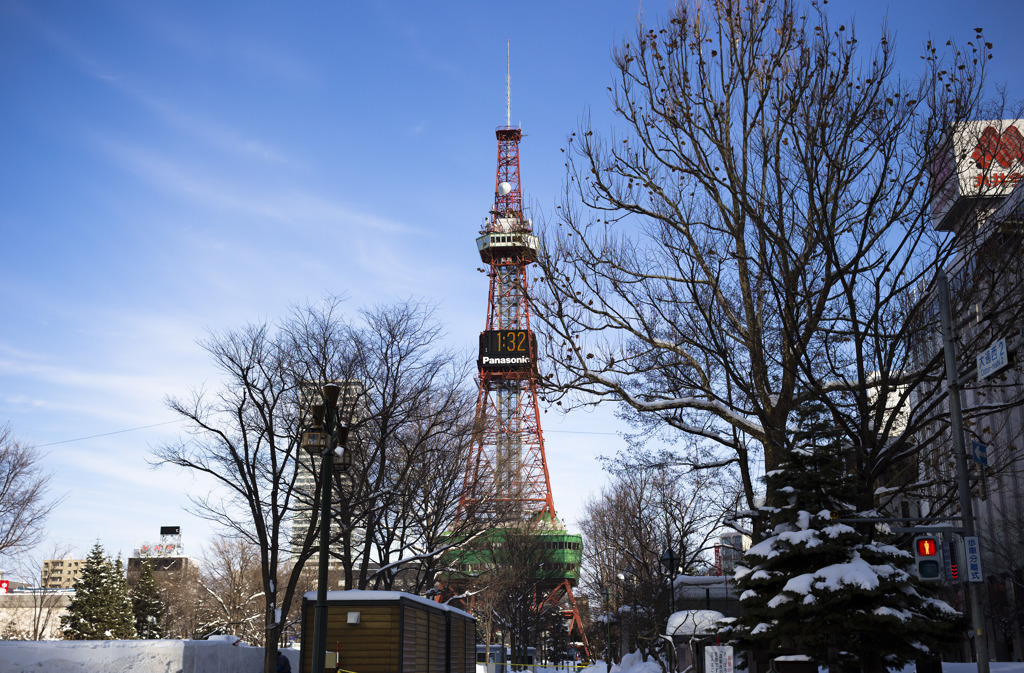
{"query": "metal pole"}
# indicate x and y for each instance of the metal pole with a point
(671, 609)
(957, 428)
(327, 481)
(608, 633)
(632, 615)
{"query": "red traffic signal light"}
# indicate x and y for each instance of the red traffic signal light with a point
(927, 559)
(926, 546)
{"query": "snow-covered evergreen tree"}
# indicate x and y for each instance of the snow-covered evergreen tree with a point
(122, 619)
(837, 591)
(100, 608)
(147, 606)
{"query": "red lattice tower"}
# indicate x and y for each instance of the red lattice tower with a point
(506, 480)
(507, 476)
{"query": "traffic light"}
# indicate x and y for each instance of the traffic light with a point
(927, 559)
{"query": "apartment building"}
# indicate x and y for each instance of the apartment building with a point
(980, 203)
(61, 573)
(305, 500)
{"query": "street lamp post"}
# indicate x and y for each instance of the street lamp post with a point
(325, 436)
(628, 577)
(670, 561)
(608, 631)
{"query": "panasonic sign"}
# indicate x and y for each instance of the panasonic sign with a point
(489, 361)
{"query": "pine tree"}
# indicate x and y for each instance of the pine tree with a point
(100, 609)
(82, 622)
(837, 591)
(147, 605)
(122, 623)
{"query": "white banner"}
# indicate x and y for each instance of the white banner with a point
(718, 659)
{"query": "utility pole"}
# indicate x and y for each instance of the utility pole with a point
(959, 449)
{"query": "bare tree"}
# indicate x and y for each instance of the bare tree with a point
(504, 573)
(231, 590)
(246, 437)
(405, 408)
(410, 420)
(423, 517)
(757, 233)
(43, 605)
(182, 595)
(645, 511)
(24, 501)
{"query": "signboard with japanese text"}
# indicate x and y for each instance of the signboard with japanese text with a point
(972, 551)
(992, 359)
(718, 659)
(979, 159)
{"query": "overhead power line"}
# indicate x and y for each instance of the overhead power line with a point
(105, 434)
(156, 425)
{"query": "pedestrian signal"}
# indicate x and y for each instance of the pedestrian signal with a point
(927, 558)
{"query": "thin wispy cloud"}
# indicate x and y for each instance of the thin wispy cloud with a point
(248, 53)
(215, 135)
(29, 16)
(197, 184)
(269, 60)
(176, 115)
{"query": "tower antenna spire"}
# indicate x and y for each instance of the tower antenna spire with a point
(508, 84)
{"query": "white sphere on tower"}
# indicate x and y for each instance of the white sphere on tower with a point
(504, 188)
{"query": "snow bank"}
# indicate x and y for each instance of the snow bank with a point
(130, 656)
(693, 622)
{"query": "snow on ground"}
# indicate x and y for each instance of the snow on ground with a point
(632, 663)
(224, 656)
(996, 666)
(133, 656)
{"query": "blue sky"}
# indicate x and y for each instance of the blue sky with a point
(168, 168)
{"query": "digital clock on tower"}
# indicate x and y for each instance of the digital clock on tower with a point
(507, 349)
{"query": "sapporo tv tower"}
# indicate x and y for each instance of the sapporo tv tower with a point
(507, 484)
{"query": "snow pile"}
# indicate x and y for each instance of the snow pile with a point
(694, 622)
(633, 663)
(130, 656)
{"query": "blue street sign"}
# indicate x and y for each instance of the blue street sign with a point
(979, 452)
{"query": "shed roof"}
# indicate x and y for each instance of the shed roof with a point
(368, 596)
